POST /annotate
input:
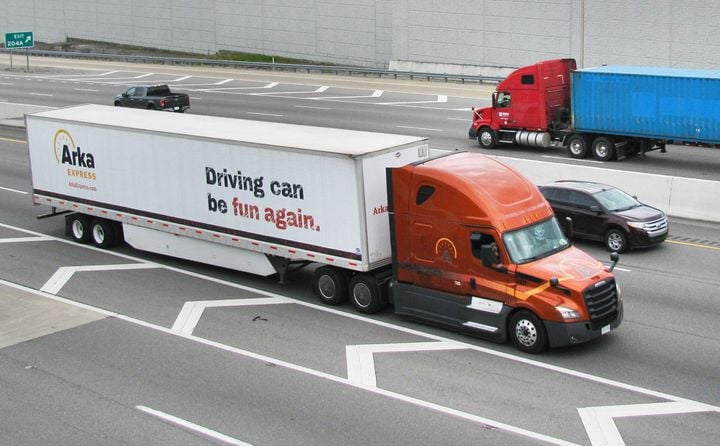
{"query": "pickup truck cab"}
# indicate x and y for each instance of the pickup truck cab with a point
(156, 97)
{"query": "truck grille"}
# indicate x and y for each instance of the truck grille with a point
(602, 303)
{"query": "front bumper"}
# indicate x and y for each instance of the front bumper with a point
(472, 133)
(641, 239)
(562, 334)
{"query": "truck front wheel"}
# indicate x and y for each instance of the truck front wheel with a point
(486, 138)
(330, 284)
(528, 332)
(365, 293)
(603, 149)
(577, 146)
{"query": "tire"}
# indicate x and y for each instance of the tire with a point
(79, 226)
(117, 104)
(528, 332)
(486, 138)
(603, 149)
(577, 146)
(103, 233)
(151, 106)
(331, 285)
(365, 294)
(616, 240)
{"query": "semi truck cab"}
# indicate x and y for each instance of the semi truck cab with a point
(477, 248)
(526, 107)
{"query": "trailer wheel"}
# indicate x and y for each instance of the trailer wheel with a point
(486, 138)
(577, 146)
(330, 284)
(365, 293)
(79, 228)
(616, 240)
(103, 233)
(528, 332)
(603, 149)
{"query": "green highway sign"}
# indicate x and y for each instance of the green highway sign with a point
(23, 39)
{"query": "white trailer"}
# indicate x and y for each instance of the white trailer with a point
(247, 195)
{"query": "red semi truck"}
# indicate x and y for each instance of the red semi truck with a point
(610, 112)
(460, 240)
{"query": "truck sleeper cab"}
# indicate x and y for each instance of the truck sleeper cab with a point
(477, 248)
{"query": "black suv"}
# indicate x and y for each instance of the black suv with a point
(605, 213)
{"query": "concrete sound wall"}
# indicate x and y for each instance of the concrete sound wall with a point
(677, 196)
(454, 36)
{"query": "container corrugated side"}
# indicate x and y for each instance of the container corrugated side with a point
(651, 104)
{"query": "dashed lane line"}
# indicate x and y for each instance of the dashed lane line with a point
(184, 424)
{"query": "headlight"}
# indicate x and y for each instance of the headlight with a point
(636, 224)
(567, 313)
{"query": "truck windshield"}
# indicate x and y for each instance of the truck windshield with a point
(535, 241)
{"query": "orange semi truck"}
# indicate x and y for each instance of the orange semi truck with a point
(460, 240)
(476, 247)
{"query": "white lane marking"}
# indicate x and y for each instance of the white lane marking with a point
(222, 82)
(486, 422)
(32, 105)
(361, 362)
(143, 75)
(603, 431)
(321, 89)
(323, 375)
(7, 188)
(440, 98)
(192, 426)
(191, 312)
(263, 114)
(180, 79)
(461, 119)
(57, 76)
(6, 83)
(65, 273)
(418, 128)
(227, 90)
(25, 239)
(573, 159)
(85, 89)
(39, 94)
(314, 108)
(375, 94)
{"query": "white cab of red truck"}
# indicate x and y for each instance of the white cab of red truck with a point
(247, 195)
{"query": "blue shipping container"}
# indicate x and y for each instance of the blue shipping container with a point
(657, 103)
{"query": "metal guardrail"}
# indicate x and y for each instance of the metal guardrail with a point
(349, 70)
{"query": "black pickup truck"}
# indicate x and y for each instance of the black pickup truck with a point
(157, 97)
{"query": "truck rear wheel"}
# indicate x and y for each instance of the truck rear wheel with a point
(79, 228)
(486, 138)
(603, 149)
(331, 285)
(103, 233)
(528, 332)
(365, 293)
(577, 146)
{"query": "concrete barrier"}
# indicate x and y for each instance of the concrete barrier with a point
(678, 196)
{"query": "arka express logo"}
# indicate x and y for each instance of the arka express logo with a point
(79, 164)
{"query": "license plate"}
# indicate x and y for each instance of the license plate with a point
(605, 330)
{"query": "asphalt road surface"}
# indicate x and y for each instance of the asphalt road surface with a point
(125, 347)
